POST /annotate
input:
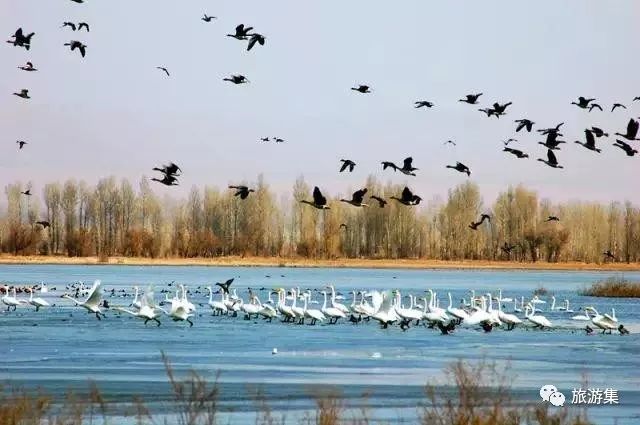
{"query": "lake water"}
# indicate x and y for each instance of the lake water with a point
(61, 347)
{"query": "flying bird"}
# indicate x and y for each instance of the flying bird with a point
(553, 130)
(162, 68)
(632, 130)
(21, 144)
(590, 143)
(24, 93)
(70, 25)
(552, 141)
(489, 112)
(551, 160)
(28, 67)
(167, 180)
(582, 102)
(407, 167)
(609, 254)
(236, 79)
(21, 40)
(225, 285)
(506, 142)
(408, 198)
(319, 201)
(26, 192)
(278, 140)
(242, 191)
(264, 139)
(598, 132)
(255, 38)
(552, 218)
(362, 89)
(83, 25)
(461, 168)
(357, 198)
(507, 248)
(618, 105)
(347, 163)
(450, 142)
(75, 44)
(207, 18)
(524, 123)
(501, 109)
(625, 147)
(241, 32)
(171, 169)
(423, 103)
(518, 153)
(381, 201)
(474, 224)
(594, 105)
(471, 99)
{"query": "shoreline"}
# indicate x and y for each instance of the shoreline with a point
(237, 261)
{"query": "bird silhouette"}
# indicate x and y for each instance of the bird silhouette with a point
(70, 25)
(617, 105)
(551, 160)
(516, 152)
(489, 112)
(28, 67)
(423, 103)
(255, 38)
(207, 18)
(75, 44)
(278, 140)
(598, 132)
(241, 32)
(83, 25)
(381, 201)
(552, 130)
(625, 147)
(501, 109)
(594, 105)
(471, 99)
(461, 168)
(162, 68)
(319, 201)
(407, 167)
(362, 89)
(506, 248)
(636, 98)
(21, 144)
(264, 139)
(552, 218)
(524, 123)
(26, 192)
(552, 141)
(347, 163)
(225, 285)
(632, 130)
(237, 79)
(408, 198)
(475, 224)
(450, 142)
(357, 198)
(609, 255)
(590, 143)
(21, 40)
(506, 142)
(582, 102)
(167, 180)
(242, 191)
(171, 169)
(24, 93)
(78, 1)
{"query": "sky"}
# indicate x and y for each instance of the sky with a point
(114, 113)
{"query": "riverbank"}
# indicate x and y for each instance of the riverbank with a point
(304, 262)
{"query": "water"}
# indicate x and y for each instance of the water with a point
(62, 347)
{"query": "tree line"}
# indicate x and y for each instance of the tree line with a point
(114, 219)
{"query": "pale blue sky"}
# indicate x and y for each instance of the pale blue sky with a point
(115, 114)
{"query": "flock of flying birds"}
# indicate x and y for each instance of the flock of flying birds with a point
(552, 143)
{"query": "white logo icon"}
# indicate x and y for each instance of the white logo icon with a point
(551, 394)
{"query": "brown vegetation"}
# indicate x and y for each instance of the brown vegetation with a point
(613, 287)
(114, 220)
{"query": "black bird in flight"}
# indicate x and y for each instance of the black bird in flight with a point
(75, 44)
(582, 102)
(625, 147)
(28, 67)
(167, 180)
(357, 198)
(474, 224)
(242, 191)
(21, 40)
(552, 218)
(608, 254)
(507, 248)
(553, 130)
(407, 167)
(489, 112)
(618, 105)
(381, 201)
(598, 132)
(237, 79)
(24, 93)
(506, 142)
(423, 103)
(162, 68)
(44, 224)
(362, 89)
(225, 286)
(408, 198)
(450, 142)
(256, 38)
(518, 153)
(278, 140)
(524, 123)
(347, 163)
(551, 160)
(632, 130)
(590, 143)
(552, 141)
(170, 170)
(594, 105)
(70, 25)
(26, 192)
(264, 139)
(461, 168)
(241, 32)
(21, 144)
(319, 201)
(471, 99)
(207, 18)
(78, 1)
(500, 109)
(83, 25)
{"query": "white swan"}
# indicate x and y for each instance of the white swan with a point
(297, 311)
(339, 306)
(147, 309)
(386, 313)
(493, 314)
(43, 288)
(218, 307)
(332, 312)
(517, 309)
(313, 314)
(538, 320)
(458, 313)
(135, 303)
(430, 316)
(510, 319)
(252, 307)
(537, 300)
(37, 302)
(501, 300)
(92, 303)
(603, 321)
(10, 301)
(479, 315)
(408, 314)
(582, 317)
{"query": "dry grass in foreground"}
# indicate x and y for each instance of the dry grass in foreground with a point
(236, 261)
(613, 287)
(482, 396)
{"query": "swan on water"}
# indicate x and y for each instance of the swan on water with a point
(92, 303)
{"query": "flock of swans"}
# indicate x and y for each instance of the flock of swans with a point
(297, 306)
